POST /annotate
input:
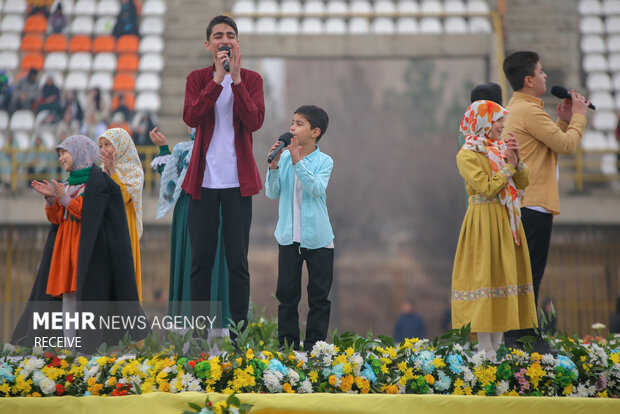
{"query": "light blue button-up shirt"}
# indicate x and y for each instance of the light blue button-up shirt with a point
(313, 171)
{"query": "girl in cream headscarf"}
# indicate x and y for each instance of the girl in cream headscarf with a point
(121, 161)
(492, 280)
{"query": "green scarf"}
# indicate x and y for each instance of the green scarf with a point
(79, 176)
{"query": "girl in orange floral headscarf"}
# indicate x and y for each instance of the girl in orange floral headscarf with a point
(492, 279)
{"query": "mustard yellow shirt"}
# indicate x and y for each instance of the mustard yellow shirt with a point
(540, 141)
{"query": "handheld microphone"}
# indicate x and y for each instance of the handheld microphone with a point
(563, 93)
(285, 140)
(225, 48)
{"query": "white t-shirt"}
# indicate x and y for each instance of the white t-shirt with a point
(221, 166)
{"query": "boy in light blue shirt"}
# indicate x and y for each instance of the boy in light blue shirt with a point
(299, 176)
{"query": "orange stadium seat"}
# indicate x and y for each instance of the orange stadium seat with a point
(56, 42)
(127, 44)
(35, 24)
(32, 61)
(130, 100)
(124, 82)
(127, 62)
(32, 43)
(104, 43)
(80, 43)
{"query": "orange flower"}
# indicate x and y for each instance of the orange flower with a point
(391, 389)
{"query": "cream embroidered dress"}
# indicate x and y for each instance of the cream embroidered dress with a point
(492, 279)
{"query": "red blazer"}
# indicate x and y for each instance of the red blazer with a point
(201, 92)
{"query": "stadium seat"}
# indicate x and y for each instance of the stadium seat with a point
(12, 23)
(603, 101)
(383, 25)
(595, 62)
(151, 62)
(76, 81)
(592, 44)
(431, 7)
(616, 83)
(22, 120)
(130, 100)
(617, 101)
(101, 80)
(359, 25)
(264, 7)
(48, 138)
(291, 7)
(407, 25)
(477, 7)
(245, 25)
(384, 7)
(21, 139)
(455, 24)
(124, 82)
(604, 120)
(613, 43)
(313, 7)
(81, 61)
(359, 7)
(455, 7)
(430, 25)
(148, 81)
(57, 76)
(591, 25)
(154, 8)
(67, 6)
(611, 7)
(15, 6)
(335, 25)
(35, 24)
(311, 25)
(104, 25)
(32, 43)
(148, 101)
(10, 41)
(32, 61)
(127, 44)
(85, 8)
(612, 24)
(288, 25)
(56, 61)
(590, 7)
(4, 120)
(82, 25)
(155, 44)
(266, 25)
(614, 62)
(104, 44)
(480, 25)
(152, 25)
(408, 6)
(9, 60)
(80, 43)
(599, 81)
(56, 42)
(244, 7)
(337, 8)
(105, 62)
(593, 140)
(127, 62)
(108, 8)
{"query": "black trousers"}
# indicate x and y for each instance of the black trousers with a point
(203, 221)
(537, 227)
(320, 264)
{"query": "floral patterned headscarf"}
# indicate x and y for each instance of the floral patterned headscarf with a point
(476, 126)
(129, 168)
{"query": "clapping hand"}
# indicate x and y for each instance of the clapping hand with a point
(512, 150)
(58, 189)
(107, 158)
(43, 187)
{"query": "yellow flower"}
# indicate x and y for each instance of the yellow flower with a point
(249, 354)
(391, 351)
(402, 366)
(164, 387)
(347, 369)
(615, 358)
(430, 380)
(568, 390)
(349, 351)
(314, 376)
(345, 386)
(63, 364)
(291, 357)
(485, 375)
(286, 387)
(536, 357)
(22, 386)
(438, 363)
(332, 380)
(5, 388)
(603, 394)
(340, 359)
(102, 360)
(535, 373)
(391, 389)
(35, 394)
(384, 369)
(82, 361)
(239, 360)
(300, 363)
(111, 381)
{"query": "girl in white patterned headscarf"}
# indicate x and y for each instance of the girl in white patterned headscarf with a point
(121, 161)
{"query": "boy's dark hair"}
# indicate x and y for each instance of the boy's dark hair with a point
(316, 116)
(519, 65)
(487, 91)
(221, 19)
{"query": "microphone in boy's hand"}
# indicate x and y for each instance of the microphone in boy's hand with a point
(285, 140)
(226, 49)
(563, 93)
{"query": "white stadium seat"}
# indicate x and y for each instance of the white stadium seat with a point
(288, 25)
(9, 60)
(147, 101)
(595, 62)
(148, 81)
(614, 62)
(82, 25)
(360, 6)
(593, 44)
(56, 61)
(154, 8)
(15, 6)
(311, 25)
(407, 25)
(101, 80)
(243, 6)
(430, 25)
(67, 6)
(337, 8)
(593, 140)
(602, 100)
(105, 62)
(290, 7)
(613, 43)
(431, 7)
(85, 8)
(335, 25)
(611, 7)
(266, 25)
(604, 120)
(408, 6)
(384, 7)
(152, 25)
(81, 61)
(4, 120)
(358, 25)
(104, 25)
(10, 41)
(151, 62)
(455, 7)
(616, 83)
(383, 25)
(314, 7)
(590, 7)
(455, 25)
(477, 7)
(21, 139)
(12, 23)
(76, 81)
(599, 81)
(268, 7)
(22, 120)
(480, 25)
(591, 25)
(612, 24)
(108, 8)
(59, 79)
(245, 25)
(151, 44)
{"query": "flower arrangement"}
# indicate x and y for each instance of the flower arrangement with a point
(232, 405)
(351, 364)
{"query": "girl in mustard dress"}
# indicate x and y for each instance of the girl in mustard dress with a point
(121, 162)
(492, 279)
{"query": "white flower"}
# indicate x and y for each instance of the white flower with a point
(548, 359)
(91, 372)
(8, 348)
(598, 326)
(47, 385)
(457, 348)
(37, 377)
(272, 382)
(194, 385)
(468, 376)
(305, 387)
(293, 377)
(583, 391)
(479, 358)
(174, 386)
(502, 387)
(186, 378)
